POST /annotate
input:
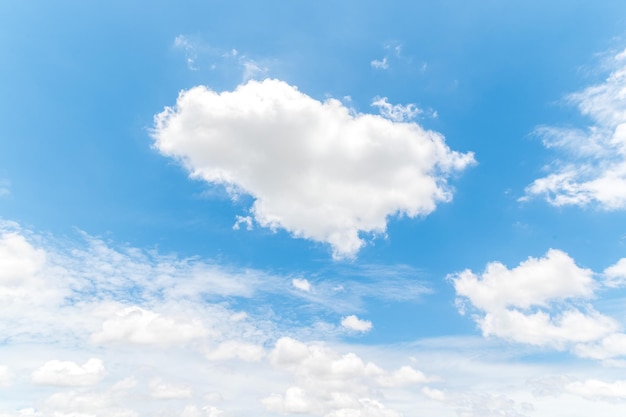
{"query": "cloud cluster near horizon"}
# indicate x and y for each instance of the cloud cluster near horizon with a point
(128, 330)
(543, 302)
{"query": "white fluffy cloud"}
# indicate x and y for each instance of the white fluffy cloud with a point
(434, 394)
(207, 411)
(6, 376)
(611, 346)
(352, 322)
(167, 391)
(138, 326)
(301, 284)
(293, 401)
(313, 168)
(615, 275)
(232, 349)
(68, 373)
(592, 388)
(593, 167)
(507, 297)
(534, 282)
(19, 260)
(406, 375)
(77, 403)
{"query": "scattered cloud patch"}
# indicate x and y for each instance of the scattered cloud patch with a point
(615, 275)
(594, 389)
(201, 56)
(354, 323)
(530, 303)
(69, 374)
(302, 284)
(135, 325)
(535, 281)
(293, 401)
(380, 63)
(434, 394)
(611, 346)
(5, 188)
(313, 168)
(233, 349)
(252, 69)
(206, 411)
(243, 220)
(490, 405)
(164, 391)
(331, 384)
(19, 259)
(406, 375)
(6, 376)
(396, 112)
(592, 167)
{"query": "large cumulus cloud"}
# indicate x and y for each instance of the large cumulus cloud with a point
(315, 169)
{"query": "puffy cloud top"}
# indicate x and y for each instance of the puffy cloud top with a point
(533, 282)
(315, 168)
(352, 322)
(68, 373)
(507, 298)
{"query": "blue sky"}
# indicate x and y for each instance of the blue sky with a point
(341, 209)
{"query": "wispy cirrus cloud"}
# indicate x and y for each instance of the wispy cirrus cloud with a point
(199, 56)
(591, 164)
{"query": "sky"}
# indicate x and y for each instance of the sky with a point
(312, 208)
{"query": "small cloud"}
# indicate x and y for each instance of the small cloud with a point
(354, 323)
(301, 284)
(380, 64)
(590, 167)
(185, 44)
(393, 51)
(135, 325)
(5, 188)
(242, 315)
(125, 384)
(164, 391)
(595, 389)
(396, 112)
(406, 375)
(233, 349)
(67, 373)
(6, 376)
(252, 69)
(615, 275)
(245, 220)
(434, 394)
